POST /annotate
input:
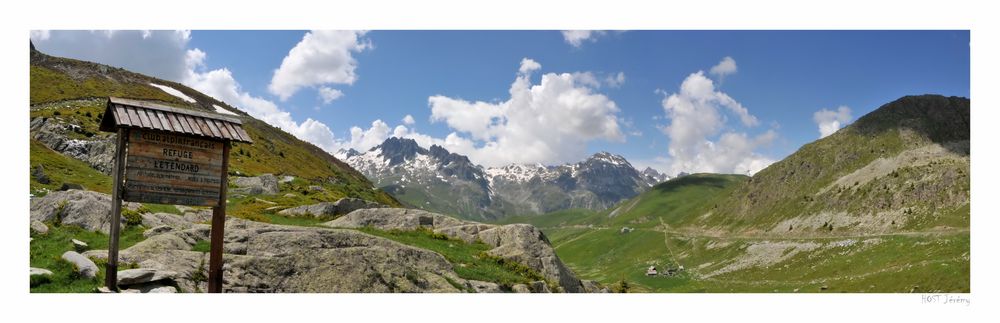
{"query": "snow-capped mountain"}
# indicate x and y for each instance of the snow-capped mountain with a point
(441, 181)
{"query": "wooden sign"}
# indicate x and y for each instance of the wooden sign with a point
(169, 168)
(167, 155)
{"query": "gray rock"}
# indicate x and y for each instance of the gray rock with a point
(328, 209)
(144, 275)
(287, 179)
(40, 271)
(156, 230)
(39, 227)
(55, 134)
(71, 186)
(263, 257)
(539, 287)
(521, 243)
(316, 188)
(79, 246)
(38, 173)
(85, 267)
(86, 209)
(521, 288)
(591, 286)
(153, 220)
(483, 287)
(264, 184)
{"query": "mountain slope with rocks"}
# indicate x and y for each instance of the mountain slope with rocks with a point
(437, 180)
(882, 205)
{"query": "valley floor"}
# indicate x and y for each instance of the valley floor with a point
(920, 261)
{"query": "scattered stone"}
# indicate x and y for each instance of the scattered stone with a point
(520, 288)
(70, 186)
(157, 230)
(342, 206)
(144, 275)
(104, 290)
(540, 287)
(84, 266)
(824, 287)
(39, 174)
(80, 246)
(266, 184)
(289, 195)
(316, 188)
(483, 287)
(39, 227)
(40, 271)
(795, 290)
(625, 230)
(287, 179)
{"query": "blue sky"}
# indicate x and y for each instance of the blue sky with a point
(621, 91)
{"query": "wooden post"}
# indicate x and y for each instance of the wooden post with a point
(218, 229)
(111, 270)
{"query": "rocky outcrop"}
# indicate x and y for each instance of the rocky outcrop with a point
(87, 209)
(330, 209)
(266, 184)
(84, 266)
(263, 257)
(97, 151)
(522, 243)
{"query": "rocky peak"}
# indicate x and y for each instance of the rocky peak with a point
(606, 158)
(398, 150)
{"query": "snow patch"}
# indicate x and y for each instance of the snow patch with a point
(222, 110)
(174, 92)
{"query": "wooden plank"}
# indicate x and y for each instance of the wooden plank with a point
(142, 197)
(211, 126)
(222, 129)
(204, 127)
(184, 124)
(120, 112)
(194, 125)
(154, 120)
(244, 134)
(133, 117)
(170, 165)
(168, 189)
(167, 138)
(174, 123)
(218, 232)
(201, 180)
(111, 269)
(144, 118)
(177, 154)
(165, 124)
(232, 132)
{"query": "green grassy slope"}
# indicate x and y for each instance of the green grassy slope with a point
(880, 206)
(74, 92)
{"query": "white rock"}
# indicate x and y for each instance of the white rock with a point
(84, 266)
(40, 271)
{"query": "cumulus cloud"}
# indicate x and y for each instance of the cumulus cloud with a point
(615, 80)
(165, 54)
(322, 57)
(700, 138)
(830, 121)
(158, 53)
(725, 67)
(408, 120)
(577, 37)
(550, 122)
(328, 94)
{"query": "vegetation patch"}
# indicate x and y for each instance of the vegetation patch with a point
(46, 252)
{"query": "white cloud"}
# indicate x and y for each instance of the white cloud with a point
(725, 67)
(158, 53)
(322, 57)
(550, 122)
(528, 65)
(615, 80)
(408, 120)
(165, 54)
(830, 121)
(329, 94)
(701, 140)
(577, 37)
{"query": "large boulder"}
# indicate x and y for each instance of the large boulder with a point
(521, 243)
(266, 184)
(87, 209)
(84, 266)
(330, 209)
(262, 257)
(144, 275)
(55, 133)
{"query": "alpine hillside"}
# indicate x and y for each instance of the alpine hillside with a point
(881, 205)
